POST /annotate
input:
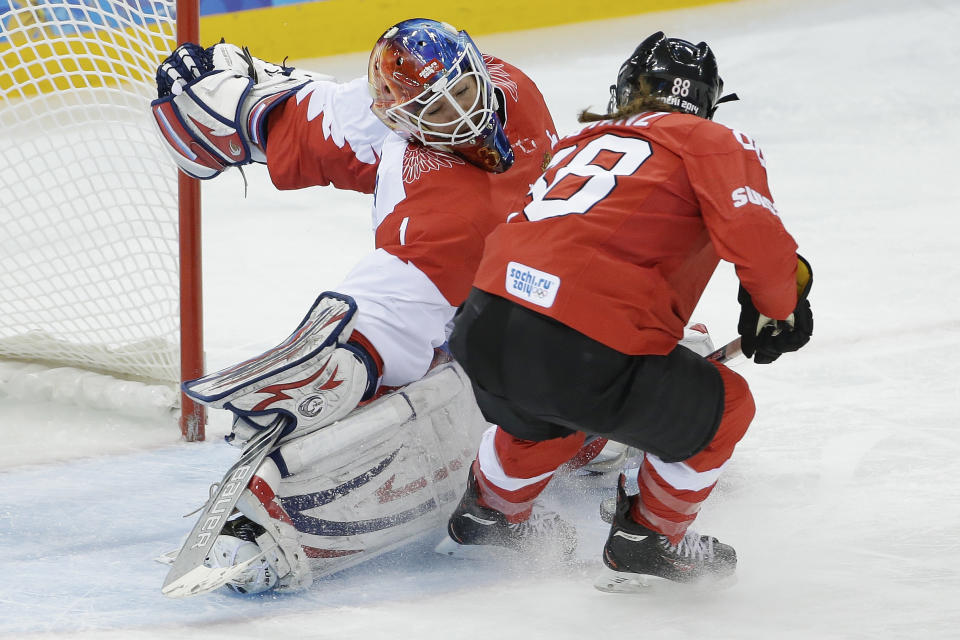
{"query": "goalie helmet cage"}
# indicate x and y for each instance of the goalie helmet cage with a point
(100, 275)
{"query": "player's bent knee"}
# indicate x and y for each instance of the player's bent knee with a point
(738, 411)
(739, 406)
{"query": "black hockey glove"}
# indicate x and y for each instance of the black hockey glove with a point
(765, 339)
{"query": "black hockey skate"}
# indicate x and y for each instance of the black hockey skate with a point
(242, 527)
(545, 535)
(634, 552)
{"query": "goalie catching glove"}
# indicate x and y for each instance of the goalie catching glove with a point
(765, 339)
(213, 103)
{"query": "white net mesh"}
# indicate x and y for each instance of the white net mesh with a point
(88, 220)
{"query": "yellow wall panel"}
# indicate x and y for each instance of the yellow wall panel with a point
(48, 60)
(329, 27)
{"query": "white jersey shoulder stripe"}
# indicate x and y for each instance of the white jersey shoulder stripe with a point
(351, 121)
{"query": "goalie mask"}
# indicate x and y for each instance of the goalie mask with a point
(429, 83)
(676, 72)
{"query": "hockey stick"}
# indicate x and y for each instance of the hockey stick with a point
(188, 575)
(727, 352)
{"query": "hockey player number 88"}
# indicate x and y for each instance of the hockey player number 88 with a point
(580, 177)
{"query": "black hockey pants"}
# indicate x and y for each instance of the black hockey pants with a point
(539, 379)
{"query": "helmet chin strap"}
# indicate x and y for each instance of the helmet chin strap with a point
(730, 97)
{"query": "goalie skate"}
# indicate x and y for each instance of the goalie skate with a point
(237, 545)
(245, 558)
(188, 575)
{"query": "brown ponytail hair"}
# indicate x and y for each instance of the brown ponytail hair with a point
(643, 100)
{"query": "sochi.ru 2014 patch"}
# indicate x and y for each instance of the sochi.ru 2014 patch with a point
(531, 284)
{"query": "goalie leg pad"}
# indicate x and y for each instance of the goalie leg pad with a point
(697, 339)
(387, 474)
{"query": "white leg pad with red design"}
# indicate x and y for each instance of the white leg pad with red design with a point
(388, 473)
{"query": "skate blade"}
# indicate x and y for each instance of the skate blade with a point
(621, 582)
(204, 579)
(497, 554)
(453, 549)
(199, 580)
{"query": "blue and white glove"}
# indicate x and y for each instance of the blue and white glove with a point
(212, 105)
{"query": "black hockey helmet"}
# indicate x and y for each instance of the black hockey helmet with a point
(676, 72)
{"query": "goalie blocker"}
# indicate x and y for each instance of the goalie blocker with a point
(314, 377)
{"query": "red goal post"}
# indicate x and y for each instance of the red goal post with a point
(100, 248)
(192, 415)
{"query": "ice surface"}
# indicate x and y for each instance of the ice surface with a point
(842, 500)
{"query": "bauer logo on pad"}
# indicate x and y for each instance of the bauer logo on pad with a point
(531, 284)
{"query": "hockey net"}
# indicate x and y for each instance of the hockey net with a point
(89, 248)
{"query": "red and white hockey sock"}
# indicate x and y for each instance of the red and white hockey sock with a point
(671, 493)
(512, 472)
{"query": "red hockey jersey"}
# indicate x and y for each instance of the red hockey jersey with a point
(620, 236)
(432, 210)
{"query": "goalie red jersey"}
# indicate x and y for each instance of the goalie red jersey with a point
(631, 218)
(432, 210)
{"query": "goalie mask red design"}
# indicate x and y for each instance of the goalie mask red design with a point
(429, 83)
